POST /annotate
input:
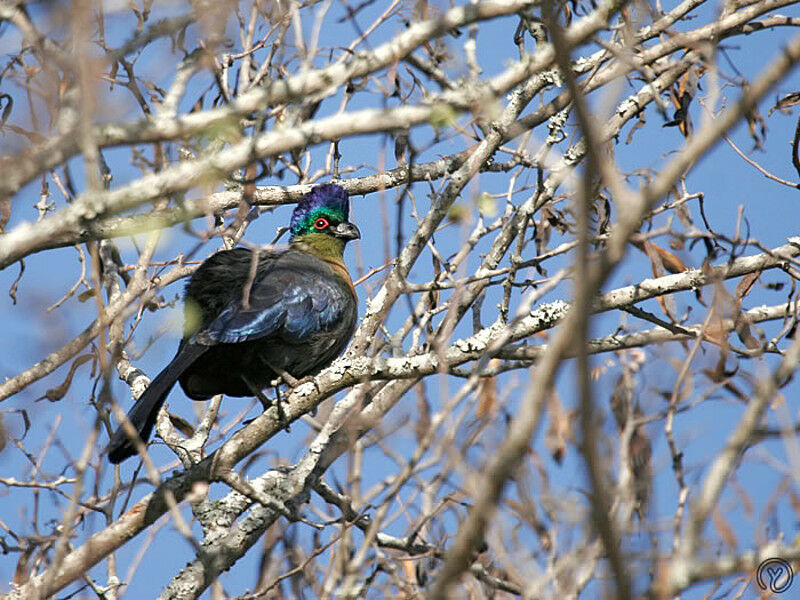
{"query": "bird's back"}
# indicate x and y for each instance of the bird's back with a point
(298, 316)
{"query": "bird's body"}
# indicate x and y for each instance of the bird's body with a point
(251, 316)
(301, 315)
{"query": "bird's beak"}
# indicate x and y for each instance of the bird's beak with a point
(347, 231)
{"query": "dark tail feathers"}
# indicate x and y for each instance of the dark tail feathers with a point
(143, 414)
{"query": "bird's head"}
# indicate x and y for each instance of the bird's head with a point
(320, 219)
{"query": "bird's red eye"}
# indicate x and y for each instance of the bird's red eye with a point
(321, 223)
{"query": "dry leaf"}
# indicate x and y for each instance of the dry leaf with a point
(745, 335)
(487, 394)
(638, 125)
(5, 213)
(621, 400)
(409, 568)
(57, 393)
(640, 452)
(785, 103)
(559, 431)
(717, 332)
(795, 501)
(747, 502)
(670, 261)
(423, 422)
(21, 573)
(724, 529)
(681, 96)
(741, 325)
(745, 285)
(181, 425)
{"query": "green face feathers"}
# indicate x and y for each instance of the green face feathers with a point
(318, 220)
(320, 210)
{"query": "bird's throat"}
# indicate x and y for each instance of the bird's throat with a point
(321, 245)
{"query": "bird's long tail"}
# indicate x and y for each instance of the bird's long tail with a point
(143, 414)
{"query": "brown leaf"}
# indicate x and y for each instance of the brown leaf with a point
(26, 420)
(518, 508)
(795, 501)
(432, 296)
(639, 456)
(785, 103)
(12, 291)
(741, 325)
(487, 398)
(410, 569)
(487, 394)
(112, 74)
(680, 118)
(717, 332)
(621, 401)
(746, 284)
(21, 573)
(718, 374)
(5, 213)
(744, 497)
(423, 423)
(735, 391)
(757, 127)
(8, 102)
(84, 296)
(668, 260)
(559, 432)
(638, 125)
(659, 259)
(198, 104)
(724, 529)
(682, 95)
(181, 425)
(742, 328)
(542, 231)
(57, 393)
(640, 451)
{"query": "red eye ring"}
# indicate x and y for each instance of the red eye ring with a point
(321, 223)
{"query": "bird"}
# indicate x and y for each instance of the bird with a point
(253, 316)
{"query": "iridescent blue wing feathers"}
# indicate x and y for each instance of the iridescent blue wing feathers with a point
(291, 303)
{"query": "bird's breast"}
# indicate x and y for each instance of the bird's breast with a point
(341, 270)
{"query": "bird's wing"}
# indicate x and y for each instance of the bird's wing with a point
(284, 300)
